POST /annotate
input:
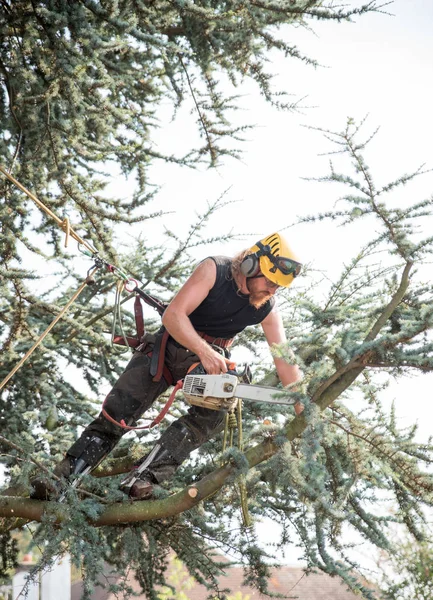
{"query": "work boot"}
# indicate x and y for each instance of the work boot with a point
(148, 472)
(82, 457)
(44, 488)
(144, 487)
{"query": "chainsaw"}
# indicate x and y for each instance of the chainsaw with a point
(221, 392)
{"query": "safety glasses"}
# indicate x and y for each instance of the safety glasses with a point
(287, 266)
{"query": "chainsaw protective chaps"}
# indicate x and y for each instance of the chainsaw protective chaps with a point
(88, 450)
(183, 437)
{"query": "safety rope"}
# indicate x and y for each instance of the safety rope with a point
(63, 223)
(231, 422)
(45, 333)
(155, 421)
(242, 480)
(117, 318)
(88, 250)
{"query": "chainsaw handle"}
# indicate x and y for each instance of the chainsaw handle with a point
(244, 376)
(198, 368)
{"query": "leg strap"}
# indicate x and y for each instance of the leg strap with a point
(157, 362)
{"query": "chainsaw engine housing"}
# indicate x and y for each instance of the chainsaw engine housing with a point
(211, 391)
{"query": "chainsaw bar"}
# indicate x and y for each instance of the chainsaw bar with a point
(226, 387)
(261, 393)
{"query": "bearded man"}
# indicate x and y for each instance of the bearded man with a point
(219, 300)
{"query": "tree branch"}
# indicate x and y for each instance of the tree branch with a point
(357, 363)
(128, 511)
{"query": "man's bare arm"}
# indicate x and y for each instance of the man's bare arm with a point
(274, 332)
(176, 317)
(273, 329)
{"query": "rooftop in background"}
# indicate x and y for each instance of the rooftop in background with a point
(289, 581)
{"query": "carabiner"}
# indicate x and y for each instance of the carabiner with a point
(125, 284)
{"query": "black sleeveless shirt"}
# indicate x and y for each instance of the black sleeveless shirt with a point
(226, 311)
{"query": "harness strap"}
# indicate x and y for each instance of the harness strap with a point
(157, 355)
(160, 356)
(151, 300)
(139, 321)
(132, 342)
(165, 372)
(216, 341)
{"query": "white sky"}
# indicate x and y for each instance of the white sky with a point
(379, 65)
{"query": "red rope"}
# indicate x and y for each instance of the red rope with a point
(155, 421)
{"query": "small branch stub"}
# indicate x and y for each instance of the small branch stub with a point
(192, 492)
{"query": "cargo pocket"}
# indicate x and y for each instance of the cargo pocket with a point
(179, 360)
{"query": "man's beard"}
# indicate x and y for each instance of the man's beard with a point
(258, 299)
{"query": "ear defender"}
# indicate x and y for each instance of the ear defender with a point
(250, 266)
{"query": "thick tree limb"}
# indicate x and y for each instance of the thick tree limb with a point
(128, 512)
(357, 363)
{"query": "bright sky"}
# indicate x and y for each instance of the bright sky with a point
(379, 65)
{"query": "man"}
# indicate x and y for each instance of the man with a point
(220, 299)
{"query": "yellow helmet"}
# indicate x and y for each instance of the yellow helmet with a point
(272, 257)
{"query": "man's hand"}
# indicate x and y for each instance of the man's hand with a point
(213, 362)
